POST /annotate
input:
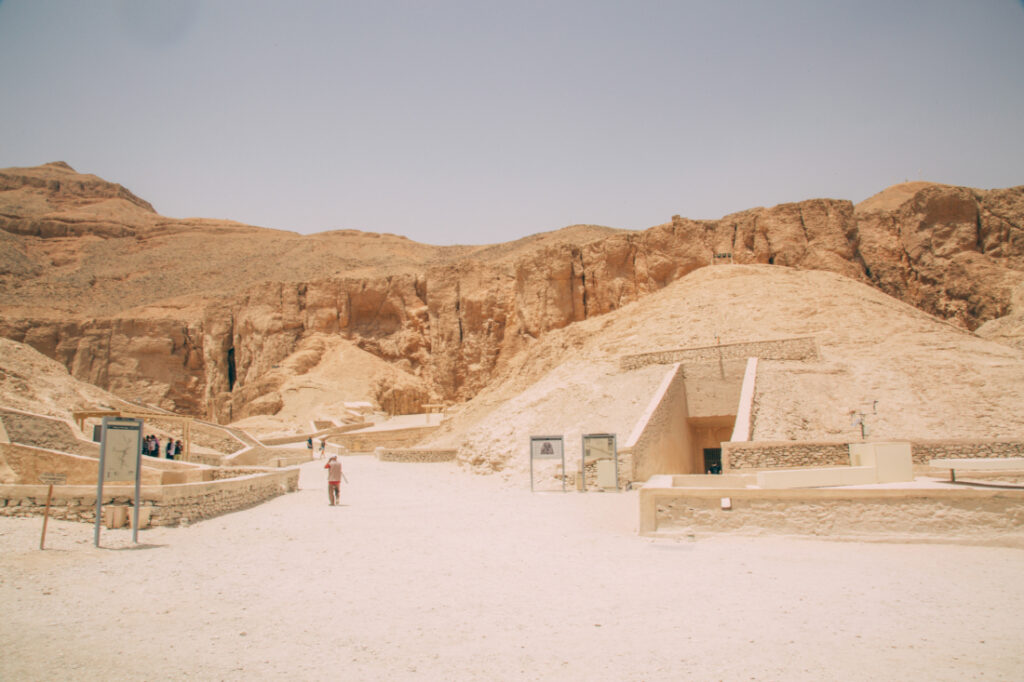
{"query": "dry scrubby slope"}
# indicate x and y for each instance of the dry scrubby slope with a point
(931, 379)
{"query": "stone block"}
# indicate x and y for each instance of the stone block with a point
(115, 517)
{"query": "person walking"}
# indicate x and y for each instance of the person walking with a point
(334, 475)
(323, 444)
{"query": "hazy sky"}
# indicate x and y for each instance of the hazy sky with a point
(480, 121)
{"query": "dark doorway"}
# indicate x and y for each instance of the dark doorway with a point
(713, 460)
(231, 369)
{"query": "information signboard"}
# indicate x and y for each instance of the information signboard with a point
(547, 448)
(602, 449)
(120, 460)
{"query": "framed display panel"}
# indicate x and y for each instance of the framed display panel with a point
(601, 449)
(120, 460)
(546, 451)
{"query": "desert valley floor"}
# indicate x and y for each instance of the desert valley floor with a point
(428, 572)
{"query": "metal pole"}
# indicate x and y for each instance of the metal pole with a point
(138, 478)
(583, 463)
(99, 485)
(531, 465)
(563, 466)
(615, 450)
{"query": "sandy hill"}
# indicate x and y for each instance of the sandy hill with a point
(216, 319)
(930, 379)
(32, 382)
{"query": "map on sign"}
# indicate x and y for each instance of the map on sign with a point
(120, 452)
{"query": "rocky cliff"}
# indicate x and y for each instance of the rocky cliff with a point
(204, 316)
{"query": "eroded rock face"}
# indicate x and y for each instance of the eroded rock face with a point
(954, 252)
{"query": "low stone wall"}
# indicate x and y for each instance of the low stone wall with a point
(800, 348)
(981, 515)
(738, 455)
(782, 454)
(369, 441)
(207, 458)
(204, 434)
(44, 432)
(924, 450)
(325, 433)
(415, 455)
(167, 505)
(28, 462)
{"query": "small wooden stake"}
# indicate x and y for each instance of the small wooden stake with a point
(46, 516)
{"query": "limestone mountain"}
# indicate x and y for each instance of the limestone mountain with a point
(205, 316)
(910, 374)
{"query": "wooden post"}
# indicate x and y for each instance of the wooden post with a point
(50, 479)
(46, 516)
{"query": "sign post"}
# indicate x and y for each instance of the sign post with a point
(51, 480)
(547, 447)
(601, 448)
(120, 460)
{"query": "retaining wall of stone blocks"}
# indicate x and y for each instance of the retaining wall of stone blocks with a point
(785, 454)
(770, 455)
(995, 515)
(800, 348)
(369, 441)
(414, 455)
(924, 450)
(167, 505)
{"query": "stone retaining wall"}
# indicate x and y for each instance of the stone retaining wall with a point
(369, 441)
(414, 455)
(935, 513)
(783, 454)
(167, 505)
(924, 450)
(800, 348)
(44, 432)
(328, 432)
(208, 459)
(28, 462)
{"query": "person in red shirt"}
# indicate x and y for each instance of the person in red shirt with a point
(334, 475)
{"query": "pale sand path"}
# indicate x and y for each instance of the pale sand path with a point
(429, 573)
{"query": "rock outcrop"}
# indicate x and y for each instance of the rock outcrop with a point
(139, 314)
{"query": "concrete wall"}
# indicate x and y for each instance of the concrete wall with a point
(661, 441)
(165, 505)
(800, 348)
(745, 409)
(989, 515)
